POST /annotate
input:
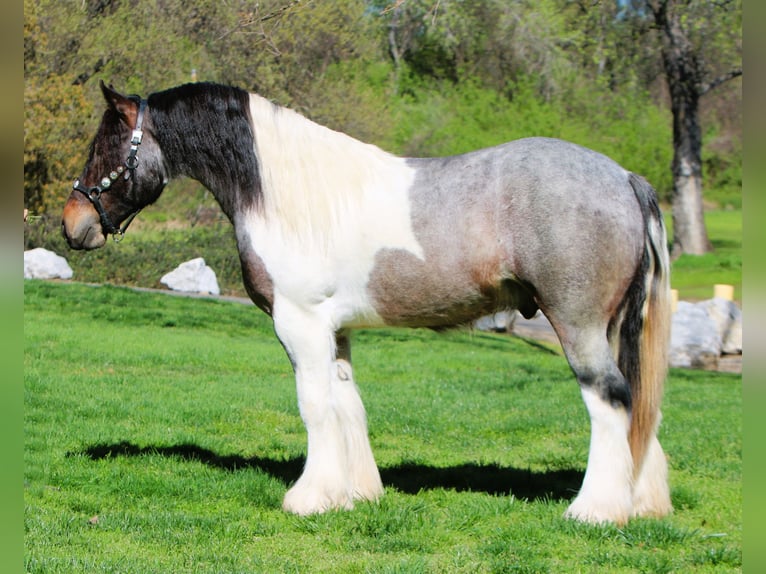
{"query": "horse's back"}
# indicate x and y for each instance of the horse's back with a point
(531, 177)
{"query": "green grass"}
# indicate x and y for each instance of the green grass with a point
(695, 275)
(161, 433)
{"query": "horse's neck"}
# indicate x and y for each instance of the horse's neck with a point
(216, 150)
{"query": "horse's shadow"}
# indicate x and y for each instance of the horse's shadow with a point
(406, 477)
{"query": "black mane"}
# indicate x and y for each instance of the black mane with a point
(204, 131)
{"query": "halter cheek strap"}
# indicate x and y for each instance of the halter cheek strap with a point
(131, 163)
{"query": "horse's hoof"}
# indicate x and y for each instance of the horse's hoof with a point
(601, 513)
(306, 501)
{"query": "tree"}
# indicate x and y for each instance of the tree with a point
(56, 115)
(493, 41)
(701, 47)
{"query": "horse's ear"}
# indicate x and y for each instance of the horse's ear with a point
(126, 107)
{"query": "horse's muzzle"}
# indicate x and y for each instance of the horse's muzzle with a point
(81, 226)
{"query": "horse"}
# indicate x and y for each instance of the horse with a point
(335, 234)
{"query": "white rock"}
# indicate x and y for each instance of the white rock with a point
(192, 277)
(500, 322)
(694, 337)
(728, 319)
(40, 263)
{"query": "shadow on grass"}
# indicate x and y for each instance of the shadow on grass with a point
(407, 477)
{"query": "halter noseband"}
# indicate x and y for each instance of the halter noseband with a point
(131, 163)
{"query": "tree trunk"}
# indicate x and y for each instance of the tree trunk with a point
(689, 232)
(683, 73)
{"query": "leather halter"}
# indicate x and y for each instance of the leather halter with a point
(131, 163)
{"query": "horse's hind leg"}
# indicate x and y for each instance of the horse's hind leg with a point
(606, 492)
(339, 464)
(651, 494)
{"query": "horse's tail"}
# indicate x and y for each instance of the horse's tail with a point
(644, 326)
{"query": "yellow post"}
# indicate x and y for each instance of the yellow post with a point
(724, 291)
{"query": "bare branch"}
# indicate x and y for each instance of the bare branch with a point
(735, 73)
(392, 7)
(255, 17)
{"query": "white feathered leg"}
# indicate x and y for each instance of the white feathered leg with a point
(339, 463)
(651, 494)
(362, 470)
(606, 493)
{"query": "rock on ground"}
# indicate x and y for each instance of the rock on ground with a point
(39, 263)
(192, 276)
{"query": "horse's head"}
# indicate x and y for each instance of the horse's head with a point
(123, 174)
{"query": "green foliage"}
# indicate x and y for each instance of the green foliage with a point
(55, 140)
(443, 119)
(161, 434)
(722, 169)
(56, 114)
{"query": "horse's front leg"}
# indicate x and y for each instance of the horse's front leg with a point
(363, 472)
(339, 463)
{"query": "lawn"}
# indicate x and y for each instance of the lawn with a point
(695, 275)
(161, 433)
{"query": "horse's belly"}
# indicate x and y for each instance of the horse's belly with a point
(406, 291)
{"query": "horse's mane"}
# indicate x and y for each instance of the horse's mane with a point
(314, 178)
(204, 131)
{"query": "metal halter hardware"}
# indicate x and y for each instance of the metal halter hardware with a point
(131, 163)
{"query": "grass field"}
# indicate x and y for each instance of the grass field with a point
(695, 275)
(162, 432)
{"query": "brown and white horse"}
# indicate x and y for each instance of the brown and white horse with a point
(335, 234)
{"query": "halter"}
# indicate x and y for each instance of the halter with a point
(131, 163)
